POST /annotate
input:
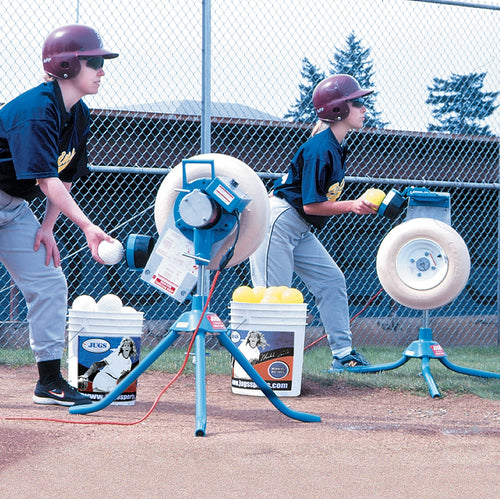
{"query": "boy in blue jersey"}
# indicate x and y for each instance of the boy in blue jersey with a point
(43, 139)
(305, 198)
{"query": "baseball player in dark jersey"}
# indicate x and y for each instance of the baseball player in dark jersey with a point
(305, 198)
(43, 138)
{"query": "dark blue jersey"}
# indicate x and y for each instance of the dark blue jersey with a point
(316, 174)
(40, 139)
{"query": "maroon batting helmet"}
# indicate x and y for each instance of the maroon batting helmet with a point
(331, 95)
(65, 46)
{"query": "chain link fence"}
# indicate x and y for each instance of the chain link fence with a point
(220, 76)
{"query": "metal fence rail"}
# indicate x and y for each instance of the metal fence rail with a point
(221, 76)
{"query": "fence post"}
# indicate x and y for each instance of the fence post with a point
(205, 78)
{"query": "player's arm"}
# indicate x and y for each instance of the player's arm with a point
(60, 200)
(45, 235)
(83, 380)
(360, 206)
(96, 366)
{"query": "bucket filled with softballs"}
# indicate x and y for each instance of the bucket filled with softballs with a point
(268, 327)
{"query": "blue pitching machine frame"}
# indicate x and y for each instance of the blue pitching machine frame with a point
(421, 204)
(205, 212)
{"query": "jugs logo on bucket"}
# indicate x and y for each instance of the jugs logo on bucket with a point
(235, 336)
(96, 345)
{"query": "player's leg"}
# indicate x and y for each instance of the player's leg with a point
(45, 291)
(326, 282)
(272, 262)
(43, 287)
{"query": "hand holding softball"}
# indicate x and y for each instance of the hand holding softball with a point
(374, 196)
(110, 253)
(363, 206)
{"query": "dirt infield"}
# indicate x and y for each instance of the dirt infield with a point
(370, 443)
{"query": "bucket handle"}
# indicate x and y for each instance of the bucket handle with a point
(76, 334)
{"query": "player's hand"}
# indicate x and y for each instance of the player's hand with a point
(94, 236)
(361, 206)
(46, 237)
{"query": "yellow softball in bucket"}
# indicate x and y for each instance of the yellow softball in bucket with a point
(259, 291)
(270, 298)
(272, 294)
(292, 295)
(244, 294)
(273, 291)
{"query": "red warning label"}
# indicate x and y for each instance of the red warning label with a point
(164, 283)
(438, 350)
(215, 322)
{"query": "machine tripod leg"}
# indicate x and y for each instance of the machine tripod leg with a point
(201, 402)
(466, 370)
(426, 372)
(273, 398)
(424, 346)
(379, 367)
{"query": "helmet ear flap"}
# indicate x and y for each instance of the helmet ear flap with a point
(65, 66)
(340, 111)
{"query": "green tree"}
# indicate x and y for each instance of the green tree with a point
(459, 104)
(303, 109)
(355, 61)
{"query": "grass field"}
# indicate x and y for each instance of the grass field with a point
(316, 360)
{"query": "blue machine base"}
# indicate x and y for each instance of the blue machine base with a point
(425, 348)
(187, 322)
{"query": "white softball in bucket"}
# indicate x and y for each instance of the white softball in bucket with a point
(84, 303)
(110, 253)
(129, 310)
(109, 303)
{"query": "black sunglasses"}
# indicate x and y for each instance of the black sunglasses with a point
(359, 103)
(95, 62)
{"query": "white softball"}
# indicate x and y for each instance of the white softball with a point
(109, 303)
(84, 303)
(129, 310)
(110, 253)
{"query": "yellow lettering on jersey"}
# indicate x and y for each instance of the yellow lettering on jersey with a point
(64, 159)
(335, 191)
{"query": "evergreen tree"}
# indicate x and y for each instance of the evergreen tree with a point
(460, 104)
(355, 61)
(303, 109)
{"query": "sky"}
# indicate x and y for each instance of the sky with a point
(258, 47)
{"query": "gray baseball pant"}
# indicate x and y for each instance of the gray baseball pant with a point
(44, 287)
(289, 246)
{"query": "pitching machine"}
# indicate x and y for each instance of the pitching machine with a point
(211, 212)
(423, 264)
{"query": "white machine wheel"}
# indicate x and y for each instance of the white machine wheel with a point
(254, 218)
(423, 263)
